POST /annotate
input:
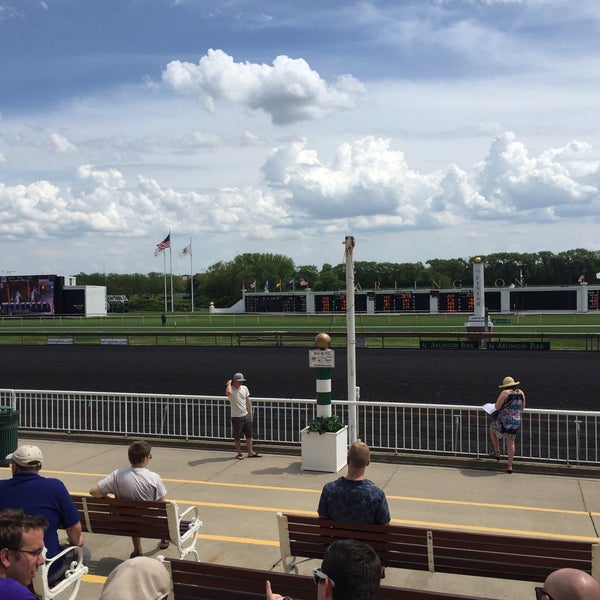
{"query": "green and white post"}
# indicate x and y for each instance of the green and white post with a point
(323, 360)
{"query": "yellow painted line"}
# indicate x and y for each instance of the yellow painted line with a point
(539, 534)
(94, 579)
(389, 496)
(562, 511)
(239, 540)
(250, 486)
(100, 579)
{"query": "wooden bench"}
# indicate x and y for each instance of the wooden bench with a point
(206, 581)
(440, 550)
(137, 518)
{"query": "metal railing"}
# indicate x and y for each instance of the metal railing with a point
(555, 436)
(585, 341)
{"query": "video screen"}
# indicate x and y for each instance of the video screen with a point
(27, 295)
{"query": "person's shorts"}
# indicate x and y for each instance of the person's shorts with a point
(241, 426)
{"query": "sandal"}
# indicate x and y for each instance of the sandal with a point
(255, 455)
(240, 456)
(495, 455)
(164, 544)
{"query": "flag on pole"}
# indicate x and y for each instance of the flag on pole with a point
(303, 282)
(166, 243)
(253, 284)
(187, 250)
(581, 279)
(278, 284)
(290, 283)
(267, 285)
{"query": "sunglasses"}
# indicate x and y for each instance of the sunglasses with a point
(540, 592)
(320, 577)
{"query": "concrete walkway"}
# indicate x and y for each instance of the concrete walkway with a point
(239, 500)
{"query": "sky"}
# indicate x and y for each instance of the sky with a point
(424, 128)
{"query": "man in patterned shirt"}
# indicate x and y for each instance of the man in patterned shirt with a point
(353, 498)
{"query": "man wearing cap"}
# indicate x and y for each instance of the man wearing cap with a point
(241, 414)
(45, 496)
(507, 419)
(21, 552)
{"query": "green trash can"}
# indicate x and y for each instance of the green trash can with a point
(9, 432)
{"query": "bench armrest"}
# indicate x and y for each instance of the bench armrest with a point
(72, 576)
(183, 528)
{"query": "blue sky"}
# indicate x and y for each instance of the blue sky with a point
(425, 129)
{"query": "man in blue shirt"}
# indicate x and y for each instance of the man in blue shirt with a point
(21, 553)
(45, 496)
(353, 498)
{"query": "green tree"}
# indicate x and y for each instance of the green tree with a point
(223, 281)
(330, 279)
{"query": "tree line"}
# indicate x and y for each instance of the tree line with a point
(223, 282)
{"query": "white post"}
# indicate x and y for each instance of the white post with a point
(351, 339)
(191, 276)
(171, 267)
(165, 276)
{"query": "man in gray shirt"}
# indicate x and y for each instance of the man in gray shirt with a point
(136, 482)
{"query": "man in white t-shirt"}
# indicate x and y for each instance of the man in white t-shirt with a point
(136, 482)
(241, 414)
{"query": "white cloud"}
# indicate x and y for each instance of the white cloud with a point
(288, 91)
(61, 144)
(367, 186)
(541, 187)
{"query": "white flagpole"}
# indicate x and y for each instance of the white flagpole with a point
(191, 276)
(171, 265)
(165, 276)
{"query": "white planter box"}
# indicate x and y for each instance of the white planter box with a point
(324, 452)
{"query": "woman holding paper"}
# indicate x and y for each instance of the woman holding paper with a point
(507, 419)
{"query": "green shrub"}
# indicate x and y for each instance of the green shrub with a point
(323, 425)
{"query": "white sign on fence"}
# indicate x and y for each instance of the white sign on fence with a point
(321, 358)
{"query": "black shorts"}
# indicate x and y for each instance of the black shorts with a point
(241, 425)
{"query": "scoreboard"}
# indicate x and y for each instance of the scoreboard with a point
(281, 303)
(325, 303)
(400, 302)
(458, 301)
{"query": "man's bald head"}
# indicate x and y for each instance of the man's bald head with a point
(571, 584)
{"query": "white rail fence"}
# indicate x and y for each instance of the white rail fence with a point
(556, 436)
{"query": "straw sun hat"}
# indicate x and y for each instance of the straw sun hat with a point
(508, 382)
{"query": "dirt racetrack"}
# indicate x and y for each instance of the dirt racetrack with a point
(566, 380)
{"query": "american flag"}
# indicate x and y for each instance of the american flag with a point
(581, 279)
(166, 243)
(303, 282)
